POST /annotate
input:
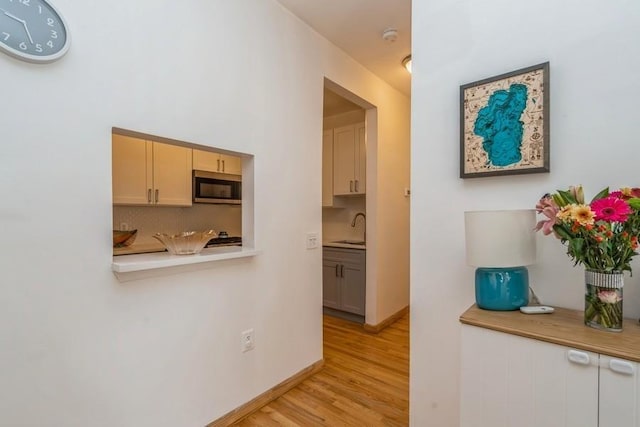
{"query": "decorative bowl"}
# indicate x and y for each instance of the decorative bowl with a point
(122, 238)
(186, 242)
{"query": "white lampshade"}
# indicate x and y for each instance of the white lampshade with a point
(498, 239)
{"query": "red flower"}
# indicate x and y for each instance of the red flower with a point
(611, 209)
(626, 193)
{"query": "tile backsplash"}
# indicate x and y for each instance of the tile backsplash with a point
(336, 222)
(149, 220)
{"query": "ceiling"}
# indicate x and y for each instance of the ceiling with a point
(356, 26)
(335, 104)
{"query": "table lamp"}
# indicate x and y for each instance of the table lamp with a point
(501, 244)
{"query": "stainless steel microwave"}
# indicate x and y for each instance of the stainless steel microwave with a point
(221, 188)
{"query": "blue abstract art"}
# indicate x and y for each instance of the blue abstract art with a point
(504, 124)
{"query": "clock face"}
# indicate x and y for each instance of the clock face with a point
(32, 30)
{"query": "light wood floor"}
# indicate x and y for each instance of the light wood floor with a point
(364, 382)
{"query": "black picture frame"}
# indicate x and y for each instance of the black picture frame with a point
(504, 124)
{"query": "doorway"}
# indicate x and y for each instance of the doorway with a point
(346, 179)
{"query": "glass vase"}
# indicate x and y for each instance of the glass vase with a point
(603, 300)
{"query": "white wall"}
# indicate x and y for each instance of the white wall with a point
(593, 53)
(79, 348)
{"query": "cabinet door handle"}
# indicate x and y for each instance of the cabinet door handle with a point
(621, 366)
(579, 357)
(223, 168)
(350, 186)
(342, 270)
(157, 195)
(149, 195)
(356, 185)
(218, 165)
(337, 266)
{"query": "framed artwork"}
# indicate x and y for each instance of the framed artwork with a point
(504, 124)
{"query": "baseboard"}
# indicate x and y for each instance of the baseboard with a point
(266, 397)
(343, 315)
(374, 329)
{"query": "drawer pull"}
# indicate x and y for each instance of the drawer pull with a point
(621, 367)
(579, 357)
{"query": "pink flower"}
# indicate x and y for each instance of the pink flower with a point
(548, 208)
(611, 209)
(609, 297)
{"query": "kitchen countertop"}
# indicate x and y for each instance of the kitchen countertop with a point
(343, 245)
(140, 248)
(154, 261)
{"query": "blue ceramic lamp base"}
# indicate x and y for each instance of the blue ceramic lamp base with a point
(502, 289)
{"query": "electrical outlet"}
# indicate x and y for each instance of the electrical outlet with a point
(248, 340)
(312, 240)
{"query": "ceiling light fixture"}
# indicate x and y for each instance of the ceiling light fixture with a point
(406, 63)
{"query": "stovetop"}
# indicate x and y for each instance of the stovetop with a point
(224, 241)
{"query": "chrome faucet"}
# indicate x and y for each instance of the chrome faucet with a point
(364, 217)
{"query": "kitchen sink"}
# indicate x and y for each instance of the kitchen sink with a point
(351, 242)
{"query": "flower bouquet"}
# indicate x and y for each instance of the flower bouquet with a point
(603, 237)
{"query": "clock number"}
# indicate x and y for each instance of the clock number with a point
(50, 22)
(50, 44)
(38, 47)
(6, 36)
(40, 9)
(54, 34)
(23, 46)
(25, 2)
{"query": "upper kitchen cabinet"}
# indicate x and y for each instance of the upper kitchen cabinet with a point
(327, 171)
(349, 160)
(150, 173)
(216, 162)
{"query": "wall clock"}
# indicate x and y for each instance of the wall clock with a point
(32, 30)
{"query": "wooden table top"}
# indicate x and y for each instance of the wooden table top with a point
(564, 327)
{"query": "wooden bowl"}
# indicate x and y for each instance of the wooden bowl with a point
(122, 238)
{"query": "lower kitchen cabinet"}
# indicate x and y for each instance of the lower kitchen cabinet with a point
(344, 279)
(510, 380)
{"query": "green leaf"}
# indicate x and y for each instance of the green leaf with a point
(634, 203)
(566, 197)
(601, 195)
(562, 232)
